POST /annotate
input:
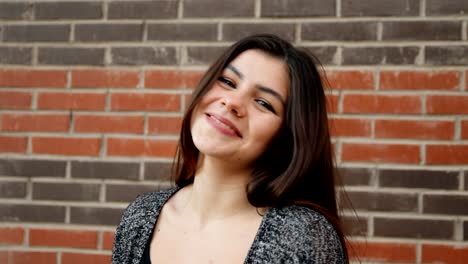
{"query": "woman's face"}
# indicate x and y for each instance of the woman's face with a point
(244, 110)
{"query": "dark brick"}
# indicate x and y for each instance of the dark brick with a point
(354, 225)
(413, 228)
(15, 55)
(234, 32)
(183, 32)
(12, 189)
(158, 171)
(343, 199)
(355, 176)
(419, 179)
(71, 56)
(31, 33)
(144, 55)
(15, 11)
(108, 32)
(324, 54)
(345, 31)
(127, 192)
(105, 170)
(143, 9)
(32, 213)
(446, 55)
(380, 55)
(466, 180)
(445, 204)
(380, 8)
(452, 7)
(67, 10)
(203, 55)
(216, 8)
(297, 8)
(380, 201)
(422, 30)
(95, 215)
(465, 230)
(32, 168)
(65, 191)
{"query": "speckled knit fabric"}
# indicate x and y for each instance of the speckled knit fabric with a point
(292, 234)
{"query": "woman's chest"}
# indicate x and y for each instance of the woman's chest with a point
(223, 242)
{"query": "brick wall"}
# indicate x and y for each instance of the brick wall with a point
(92, 93)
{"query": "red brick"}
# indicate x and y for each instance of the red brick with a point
(109, 124)
(381, 104)
(33, 78)
(332, 103)
(72, 101)
(447, 154)
(140, 147)
(164, 125)
(34, 122)
(391, 153)
(446, 104)
(385, 252)
(172, 79)
(444, 254)
(414, 129)
(125, 147)
(351, 79)
(341, 127)
(15, 100)
(13, 144)
(66, 146)
(108, 240)
(11, 235)
(27, 257)
(161, 148)
(63, 238)
(104, 79)
(145, 102)
(466, 81)
(79, 258)
(419, 80)
(464, 129)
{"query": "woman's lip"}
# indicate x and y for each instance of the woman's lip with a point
(225, 122)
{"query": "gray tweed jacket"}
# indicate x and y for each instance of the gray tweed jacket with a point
(292, 234)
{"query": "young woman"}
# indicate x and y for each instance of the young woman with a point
(254, 171)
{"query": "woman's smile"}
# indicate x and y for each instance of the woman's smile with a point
(223, 125)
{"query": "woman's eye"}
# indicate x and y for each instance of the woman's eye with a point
(226, 81)
(265, 105)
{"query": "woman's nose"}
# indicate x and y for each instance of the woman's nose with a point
(235, 103)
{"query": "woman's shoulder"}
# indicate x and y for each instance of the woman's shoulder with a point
(298, 216)
(150, 200)
(296, 219)
(137, 223)
(306, 234)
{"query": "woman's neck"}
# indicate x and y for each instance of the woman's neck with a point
(218, 192)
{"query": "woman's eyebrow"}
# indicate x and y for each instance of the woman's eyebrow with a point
(272, 92)
(257, 86)
(235, 70)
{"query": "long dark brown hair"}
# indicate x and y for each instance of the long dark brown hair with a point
(298, 166)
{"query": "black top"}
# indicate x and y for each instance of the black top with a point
(145, 259)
